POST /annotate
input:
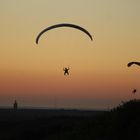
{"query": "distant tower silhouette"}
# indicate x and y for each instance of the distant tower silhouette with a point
(15, 105)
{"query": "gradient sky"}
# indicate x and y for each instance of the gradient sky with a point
(99, 76)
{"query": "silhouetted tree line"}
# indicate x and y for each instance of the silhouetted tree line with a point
(120, 123)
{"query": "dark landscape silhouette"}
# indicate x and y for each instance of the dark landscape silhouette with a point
(122, 122)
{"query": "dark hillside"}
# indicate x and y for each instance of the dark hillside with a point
(122, 122)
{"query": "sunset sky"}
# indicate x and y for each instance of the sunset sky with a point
(99, 77)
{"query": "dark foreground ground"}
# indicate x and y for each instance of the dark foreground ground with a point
(122, 122)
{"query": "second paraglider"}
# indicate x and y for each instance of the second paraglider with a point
(132, 63)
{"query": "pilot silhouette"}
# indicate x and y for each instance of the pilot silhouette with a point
(66, 71)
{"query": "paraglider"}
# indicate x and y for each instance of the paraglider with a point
(134, 91)
(129, 65)
(66, 71)
(132, 63)
(63, 25)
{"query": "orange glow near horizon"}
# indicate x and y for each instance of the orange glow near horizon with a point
(99, 76)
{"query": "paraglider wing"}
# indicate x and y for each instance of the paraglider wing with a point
(63, 25)
(134, 91)
(131, 63)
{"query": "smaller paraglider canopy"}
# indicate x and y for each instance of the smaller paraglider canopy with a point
(134, 91)
(132, 63)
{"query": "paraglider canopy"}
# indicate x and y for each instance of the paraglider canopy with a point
(63, 25)
(134, 91)
(132, 63)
